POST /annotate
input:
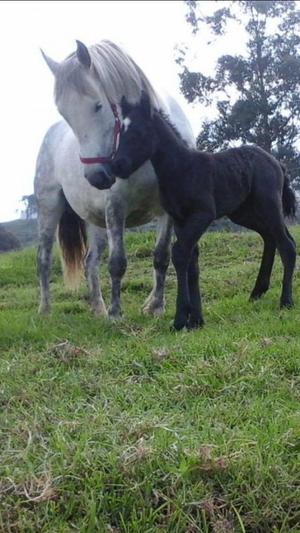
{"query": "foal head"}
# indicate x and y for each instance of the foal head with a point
(138, 140)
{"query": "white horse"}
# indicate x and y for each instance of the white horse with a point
(89, 86)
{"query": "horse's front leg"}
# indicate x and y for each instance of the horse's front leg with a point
(155, 303)
(115, 224)
(98, 241)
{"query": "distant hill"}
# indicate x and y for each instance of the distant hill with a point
(24, 230)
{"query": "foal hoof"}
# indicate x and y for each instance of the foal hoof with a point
(286, 304)
(178, 325)
(114, 314)
(195, 323)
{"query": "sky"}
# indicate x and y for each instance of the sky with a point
(149, 32)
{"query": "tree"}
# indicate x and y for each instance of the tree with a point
(30, 210)
(257, 94)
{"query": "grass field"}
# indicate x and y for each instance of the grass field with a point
(128, 427)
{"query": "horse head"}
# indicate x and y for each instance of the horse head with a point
(89, 86)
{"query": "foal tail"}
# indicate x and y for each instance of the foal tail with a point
(73, 243)
(289, 201)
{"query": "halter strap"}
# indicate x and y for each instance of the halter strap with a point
(117, 131)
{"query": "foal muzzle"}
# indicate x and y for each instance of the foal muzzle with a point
(101, 180)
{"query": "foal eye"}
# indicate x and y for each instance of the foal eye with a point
(98, 106)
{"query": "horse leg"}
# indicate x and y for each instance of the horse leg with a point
(196, 318)
(155, 302)
(248, 220)
(98, 241)
(182, 250)
(115, 223)
(48, 219)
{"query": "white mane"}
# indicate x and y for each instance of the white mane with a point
(115, 70)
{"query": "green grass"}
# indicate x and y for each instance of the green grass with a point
(127, 427)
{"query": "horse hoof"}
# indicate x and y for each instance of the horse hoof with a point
(44, 310)
(99, 310)
(153, 309)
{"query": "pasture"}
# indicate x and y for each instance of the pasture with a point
(128, 427)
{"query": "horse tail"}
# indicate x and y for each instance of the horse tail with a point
(289, 201)
(73, 243)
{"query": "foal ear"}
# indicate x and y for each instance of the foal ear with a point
(83, 55)
(125, 106)
(53, 65)
(145, 104)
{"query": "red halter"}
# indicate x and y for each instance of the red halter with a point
(117, 131)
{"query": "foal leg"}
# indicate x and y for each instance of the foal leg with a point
(248, 220)
(98, 242)
(263, 279)
(115, 224)
(155, 302)
(187, 238)
(48, 218)
(285, 245)
(196, 318)
(287, 249)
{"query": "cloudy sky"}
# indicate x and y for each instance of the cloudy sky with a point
(148, 30)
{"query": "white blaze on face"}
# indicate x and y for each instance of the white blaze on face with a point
(126, 123)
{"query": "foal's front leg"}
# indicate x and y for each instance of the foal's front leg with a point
(195, 319)
(185, 260)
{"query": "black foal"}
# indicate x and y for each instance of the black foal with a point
(247, 184)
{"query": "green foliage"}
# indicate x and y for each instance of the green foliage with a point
(30, 206)
(25, 230)
(8, 241)
(126, 427)
(257, 95)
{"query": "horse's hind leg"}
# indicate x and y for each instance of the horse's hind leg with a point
(248, 220)
(49, 213)
(155, 302)
(98, 242)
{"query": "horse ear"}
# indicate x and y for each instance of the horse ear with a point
(83, 55)
(53, 65)
(145, 104)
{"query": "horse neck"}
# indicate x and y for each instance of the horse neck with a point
(171, 153)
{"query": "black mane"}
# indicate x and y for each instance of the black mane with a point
(166, 118)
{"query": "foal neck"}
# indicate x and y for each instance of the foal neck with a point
(171, 151)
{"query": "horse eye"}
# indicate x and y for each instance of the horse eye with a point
(98, 106)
